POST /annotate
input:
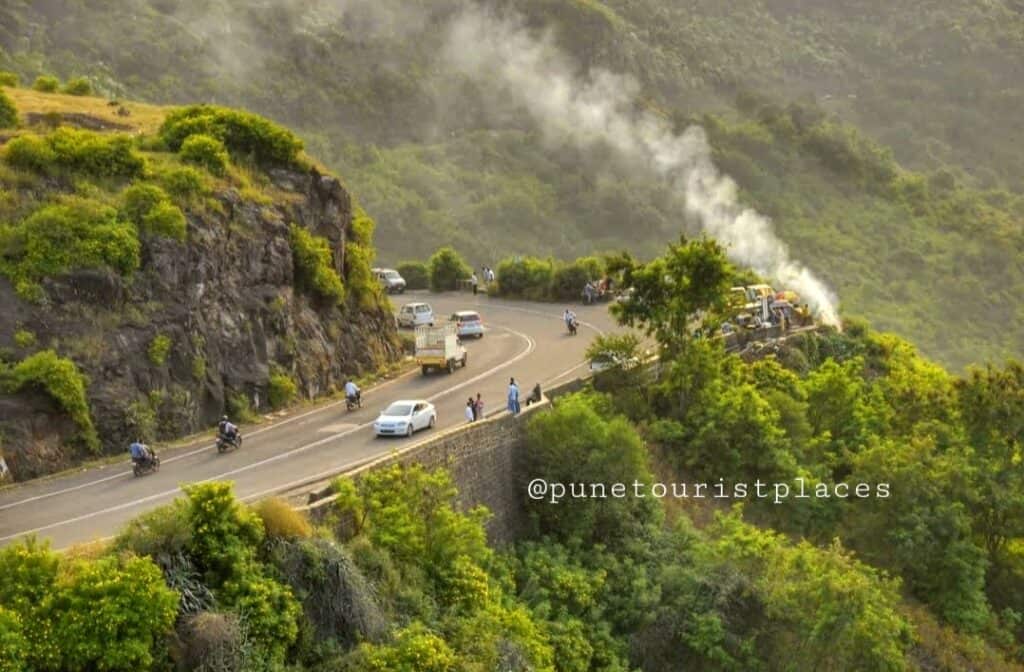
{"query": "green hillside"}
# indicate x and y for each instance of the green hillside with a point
(436, 156)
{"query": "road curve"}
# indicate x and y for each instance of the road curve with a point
(524, 340)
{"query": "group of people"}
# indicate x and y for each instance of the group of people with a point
(475, 408)
(514, 407)
(594, 291)
(143, 454)
(486, 273)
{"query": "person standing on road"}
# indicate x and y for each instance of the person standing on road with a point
(470, 411)
(513, 397)
(473, 281)
(479, 406)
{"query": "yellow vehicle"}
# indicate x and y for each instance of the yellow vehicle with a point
(439, 348)
(757, 292)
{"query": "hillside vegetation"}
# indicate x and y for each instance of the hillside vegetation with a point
(934, 88)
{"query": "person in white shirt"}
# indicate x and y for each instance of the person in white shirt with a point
(352, 391)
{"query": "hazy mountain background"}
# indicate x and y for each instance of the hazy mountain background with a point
(882, 138)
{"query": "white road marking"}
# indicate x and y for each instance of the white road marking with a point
(531, 345)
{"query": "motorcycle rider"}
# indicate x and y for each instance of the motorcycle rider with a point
(352, 392)
(570, 320)
(228, 430)
(141, 453)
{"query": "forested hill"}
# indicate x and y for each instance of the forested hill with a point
(881, 137)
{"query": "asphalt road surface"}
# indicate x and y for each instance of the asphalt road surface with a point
(525, 340)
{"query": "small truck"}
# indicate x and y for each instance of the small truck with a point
(439, 348)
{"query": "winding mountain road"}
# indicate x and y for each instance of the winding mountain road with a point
(524, 340)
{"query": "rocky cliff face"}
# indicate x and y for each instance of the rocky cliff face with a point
(226, 304)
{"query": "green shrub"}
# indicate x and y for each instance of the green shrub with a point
(77, 233)
(139, 199)
(28, 575)
(30, 152)
(239, 406)
(415, 273)
(244, 134)
(60, 379)
(225, 533)
(68, 149)
(110, 614)
(13, 645)
(358, 276)
(8, 112)
(151, 209)
(568, 280)
(78, 86)
(207, 152)
(159, 348)
(183, 183)
(46, 84)
(281, 521)
(8, 78)
(166, 220)
(199, 367)
(314, 267)
(447, 267)
(24, 338)
(281, 389)
(415, 649)
(525, 277)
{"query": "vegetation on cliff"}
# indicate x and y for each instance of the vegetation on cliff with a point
(133, 241)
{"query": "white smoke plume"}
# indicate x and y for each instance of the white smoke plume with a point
(601, 107)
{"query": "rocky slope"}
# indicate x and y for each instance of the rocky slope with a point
(218, 322)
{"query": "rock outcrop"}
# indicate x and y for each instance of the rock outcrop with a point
(227, 302)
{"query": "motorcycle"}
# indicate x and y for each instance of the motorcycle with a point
(353, 402)
(152, 464)
(224, 443)
(573, 326)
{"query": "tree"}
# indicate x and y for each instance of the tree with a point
(447, 267)
(675, 292)
(582, 441)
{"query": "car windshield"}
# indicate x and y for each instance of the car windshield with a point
(393, 275)
(399, 409)
(469, 317)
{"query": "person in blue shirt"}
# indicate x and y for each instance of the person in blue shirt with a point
(140, 452)
(513, 397)
(227, 429)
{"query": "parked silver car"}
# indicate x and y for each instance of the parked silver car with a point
(390, 279)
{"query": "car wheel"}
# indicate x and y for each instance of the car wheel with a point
(426, 370)
(451, 366)
(408, 431)
(433, 421)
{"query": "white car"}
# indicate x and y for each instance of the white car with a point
(404, 418)
(390, 279)
(606, 361)
(468, 323)
(413, 315)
